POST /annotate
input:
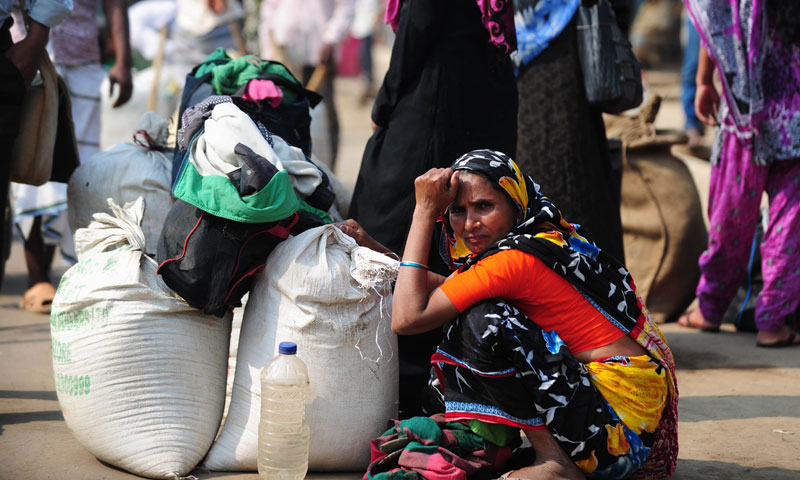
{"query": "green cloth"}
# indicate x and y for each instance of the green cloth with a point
(209, 63)
(316, 211)
(396, 474)
(427, 428)
(421, 441)
(501, 435)
(422, 427)
(229, 77)
(216, 195)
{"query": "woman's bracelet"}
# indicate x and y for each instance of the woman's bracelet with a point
(413, 264)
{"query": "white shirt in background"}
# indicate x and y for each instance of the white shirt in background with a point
(302, 27)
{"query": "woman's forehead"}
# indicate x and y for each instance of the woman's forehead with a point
(472, 186)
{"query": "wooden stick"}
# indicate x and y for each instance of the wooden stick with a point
(317, 77)
(152, 101)
(279, 52)
(238, 38)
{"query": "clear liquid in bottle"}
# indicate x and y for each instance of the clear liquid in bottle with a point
(283, 434)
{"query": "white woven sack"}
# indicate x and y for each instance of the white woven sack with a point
(140, 375)
(236, 328)
(124, 173)
(333, 298)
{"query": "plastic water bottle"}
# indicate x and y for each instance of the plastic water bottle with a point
(283, 435)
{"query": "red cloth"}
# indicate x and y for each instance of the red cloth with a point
(434, 449)
(349, 64)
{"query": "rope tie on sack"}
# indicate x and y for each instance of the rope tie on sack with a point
(146, 142)
(175, 476)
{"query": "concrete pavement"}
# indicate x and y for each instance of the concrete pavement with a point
(739, 409)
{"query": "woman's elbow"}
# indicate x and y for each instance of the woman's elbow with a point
(402, 316)
(400, 325)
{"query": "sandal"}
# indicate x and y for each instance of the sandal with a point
(792, 340)
(38, 298)
(686, 320)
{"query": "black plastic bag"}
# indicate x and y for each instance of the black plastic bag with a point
(612, 76)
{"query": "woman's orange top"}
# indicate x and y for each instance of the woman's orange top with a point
(540, 293)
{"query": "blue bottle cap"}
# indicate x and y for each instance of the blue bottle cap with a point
(287, 348)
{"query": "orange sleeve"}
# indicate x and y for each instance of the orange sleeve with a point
(499, 275)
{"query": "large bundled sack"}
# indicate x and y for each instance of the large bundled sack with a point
(125, 172)
(140, 375)
(284, 112)
(333, 298)
(240, 191)
(662, 217)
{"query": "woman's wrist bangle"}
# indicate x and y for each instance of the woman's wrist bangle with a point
(413, 264)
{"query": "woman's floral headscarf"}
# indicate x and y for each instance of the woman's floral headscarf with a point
(543, 232)
(538, 215)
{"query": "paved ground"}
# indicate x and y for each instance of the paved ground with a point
(739, 409)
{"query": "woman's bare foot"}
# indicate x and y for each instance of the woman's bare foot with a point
(695, 319)
(552, 463)
(782, 338)
(549, 470)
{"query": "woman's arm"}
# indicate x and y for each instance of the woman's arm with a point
(706, 100)
(354, 229)
(416, 307)
(27, 54)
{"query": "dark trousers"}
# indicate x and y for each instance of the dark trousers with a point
(12, 91)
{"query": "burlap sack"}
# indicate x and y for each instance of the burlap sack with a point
(31, 159)
(662, 218)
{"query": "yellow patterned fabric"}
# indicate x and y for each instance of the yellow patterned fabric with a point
(516, 188)
(637, 388)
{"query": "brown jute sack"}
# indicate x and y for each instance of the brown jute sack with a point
(662, 219)
(32, 155)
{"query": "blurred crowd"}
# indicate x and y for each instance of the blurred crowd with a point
(494, 89)
(459, 79)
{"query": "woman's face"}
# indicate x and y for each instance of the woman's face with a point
(480, 214)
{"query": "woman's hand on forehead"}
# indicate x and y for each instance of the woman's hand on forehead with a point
(436, 189)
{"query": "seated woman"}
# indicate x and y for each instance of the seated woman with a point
(545, 332)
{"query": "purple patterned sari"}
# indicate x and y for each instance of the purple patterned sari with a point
(760, 76)
(756, 150)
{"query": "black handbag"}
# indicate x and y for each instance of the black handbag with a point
(612, 77)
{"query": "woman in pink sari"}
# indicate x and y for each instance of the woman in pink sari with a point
(755, 45)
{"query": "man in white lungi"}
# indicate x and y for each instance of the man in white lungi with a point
(40, 212)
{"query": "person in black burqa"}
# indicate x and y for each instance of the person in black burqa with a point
(449, 89)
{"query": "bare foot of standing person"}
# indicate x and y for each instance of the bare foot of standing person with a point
(695, 319)
(784, 337)
(38, 258)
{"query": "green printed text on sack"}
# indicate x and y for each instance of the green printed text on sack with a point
(86, 318)
(73, 384)
(62, 352)
(69, 288)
